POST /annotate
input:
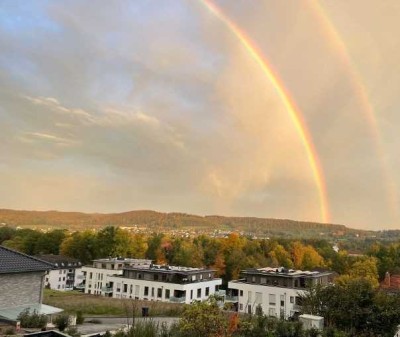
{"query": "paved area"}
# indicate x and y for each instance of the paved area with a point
(117, 323)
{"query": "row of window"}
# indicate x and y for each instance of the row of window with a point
(271, 298)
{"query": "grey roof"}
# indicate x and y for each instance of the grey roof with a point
(12, 261)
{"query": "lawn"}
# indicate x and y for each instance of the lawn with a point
(91, 305)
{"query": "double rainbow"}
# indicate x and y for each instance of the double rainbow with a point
(293, 111)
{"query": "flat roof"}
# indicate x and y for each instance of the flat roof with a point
(285, 272)
(12, 313)
(123, 260)
(169, 269)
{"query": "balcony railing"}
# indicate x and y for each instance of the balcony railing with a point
(297, 307)
(80, 286)
(229, 298)
(107, 290)
(177, 299)
(220, 293)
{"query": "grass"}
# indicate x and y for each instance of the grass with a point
(91, 305)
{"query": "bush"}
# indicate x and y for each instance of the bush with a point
(10, 331)
(32, 320)
(61, 322)
(79, 317)
(72, 331)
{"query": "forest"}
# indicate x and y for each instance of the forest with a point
(228, 256)
(354, 306)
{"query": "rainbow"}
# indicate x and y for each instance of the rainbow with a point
(363, 99)
(294, 112)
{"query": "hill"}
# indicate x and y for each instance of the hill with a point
(156, 221)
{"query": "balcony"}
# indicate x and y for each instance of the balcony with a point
(80, 286)
(297, 307)
(107, 290)
(229, 298)
(220, 293)
(177, 299)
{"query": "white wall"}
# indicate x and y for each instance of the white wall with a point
(138, 289)
(96, 278)
(254, 295)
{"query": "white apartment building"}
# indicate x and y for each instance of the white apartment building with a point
(95, 277)
(276, 290)
(164, 283)
(66, 272)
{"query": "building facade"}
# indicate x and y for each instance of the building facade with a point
(276, 290)
(141, 279)
(95, 277)
(164, 283)
(66, 273)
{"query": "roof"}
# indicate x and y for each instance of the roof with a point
(153, 268)
(13, 312)
(60, 261)
(313, 317)
(284, 272)
(12, 262)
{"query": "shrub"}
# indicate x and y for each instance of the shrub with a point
(61, 322)
(32, 320)
(10, 331)
(79, 317)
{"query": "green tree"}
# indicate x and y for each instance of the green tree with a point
(202, 319)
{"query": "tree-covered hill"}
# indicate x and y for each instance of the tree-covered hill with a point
(152, 220)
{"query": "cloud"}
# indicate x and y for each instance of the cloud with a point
(157, 105)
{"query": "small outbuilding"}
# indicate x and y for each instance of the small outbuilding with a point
(312, 322)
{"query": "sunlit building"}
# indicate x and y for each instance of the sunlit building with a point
(277, 291)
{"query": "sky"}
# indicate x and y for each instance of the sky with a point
(267, 108)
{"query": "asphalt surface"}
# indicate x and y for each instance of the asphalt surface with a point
(117, 323)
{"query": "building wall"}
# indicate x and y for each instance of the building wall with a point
(62, 279)
(21, 288)
(96, 279)
(157, 291)
(252, 295)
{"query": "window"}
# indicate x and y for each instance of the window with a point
(152, 292)
(198, 293)
(125, 288)
(250, 295)
(164, 277)
(253, 279)
(155, 277)
(64, 278)
(159, 292)
(146, 291)
(258, 298)
(140, 276)
(137, 290)
(60, 272)
(241, 306)
(191, 294)
(241, 293)
(59, 279)
(167, 293)
(90, 275)
(272, 299)
(193, 277)
(291, 299)
(207, 291)
(58, 287)
(282, 300)
(271, 312)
